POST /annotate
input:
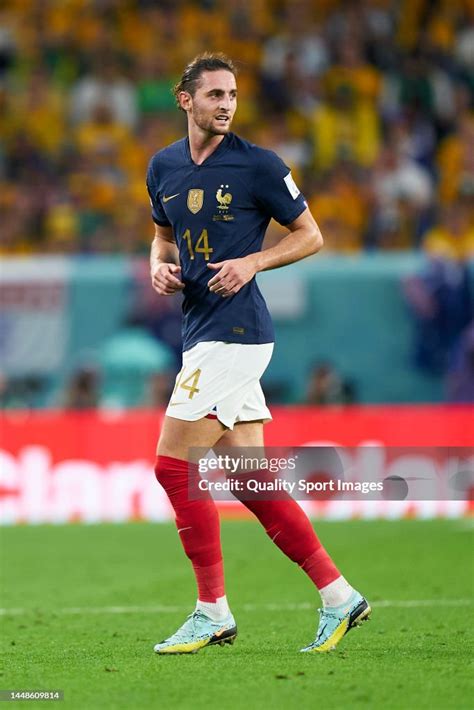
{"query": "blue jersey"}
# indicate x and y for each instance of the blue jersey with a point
(220, 210)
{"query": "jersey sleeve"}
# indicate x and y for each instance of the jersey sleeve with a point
(157, 212)
(276, 190)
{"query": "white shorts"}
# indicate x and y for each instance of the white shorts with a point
(221, 379)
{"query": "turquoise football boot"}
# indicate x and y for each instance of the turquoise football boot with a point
(198, 631)
(336, 621)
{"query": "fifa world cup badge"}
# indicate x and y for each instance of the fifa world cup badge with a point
(195, 200)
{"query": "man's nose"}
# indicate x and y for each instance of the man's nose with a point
(225, 103)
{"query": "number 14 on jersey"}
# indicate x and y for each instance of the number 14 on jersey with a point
(201, 245)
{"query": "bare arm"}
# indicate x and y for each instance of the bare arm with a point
(303, 240)
(164, 262)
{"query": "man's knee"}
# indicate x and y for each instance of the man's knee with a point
(179, 436)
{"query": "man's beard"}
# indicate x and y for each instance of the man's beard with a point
(209, 124)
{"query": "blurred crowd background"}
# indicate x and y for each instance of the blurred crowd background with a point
(370, 102)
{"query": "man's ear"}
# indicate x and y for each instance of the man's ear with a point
(185, 100)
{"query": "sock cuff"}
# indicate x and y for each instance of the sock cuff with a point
(173, 465)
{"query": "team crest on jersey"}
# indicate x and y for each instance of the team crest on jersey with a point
(223, 201)
(195, 200)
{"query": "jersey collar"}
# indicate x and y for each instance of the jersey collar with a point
(221, 148)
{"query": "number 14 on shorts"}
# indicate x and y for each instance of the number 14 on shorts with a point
(190, 384)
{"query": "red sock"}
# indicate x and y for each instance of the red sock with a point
(210, 582)
(198, 525)
(290, 529)
(320, 568)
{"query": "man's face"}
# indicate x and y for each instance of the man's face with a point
(213, 106)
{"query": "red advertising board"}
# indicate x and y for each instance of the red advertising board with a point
(60, 467)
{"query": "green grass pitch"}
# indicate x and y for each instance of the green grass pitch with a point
(87, 603)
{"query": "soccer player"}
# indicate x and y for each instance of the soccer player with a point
(213, 195)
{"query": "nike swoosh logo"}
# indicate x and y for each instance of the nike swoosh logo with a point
(171, 197)
(221, 631)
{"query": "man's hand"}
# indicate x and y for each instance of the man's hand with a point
(232, 275)
(166, 279)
